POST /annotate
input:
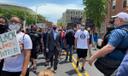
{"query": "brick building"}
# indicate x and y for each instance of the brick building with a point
(116, 6)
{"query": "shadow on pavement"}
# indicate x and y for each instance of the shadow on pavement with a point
(41, 64)
(71, 72)
(64, 62)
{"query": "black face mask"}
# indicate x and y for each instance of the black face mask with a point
(54, 28)
(3, 28)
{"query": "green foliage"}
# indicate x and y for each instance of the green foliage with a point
(95, 10)
(24, 13)
(60, 24)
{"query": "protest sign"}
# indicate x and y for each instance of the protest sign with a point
(9, 45)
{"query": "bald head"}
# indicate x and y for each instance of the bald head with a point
(15, 19)
(15, 24)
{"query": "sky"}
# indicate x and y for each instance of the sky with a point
(51, 9)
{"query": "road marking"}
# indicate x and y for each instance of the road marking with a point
(85, 73)
(74, 59)
(76, 69)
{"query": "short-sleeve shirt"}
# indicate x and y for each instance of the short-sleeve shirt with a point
(82, 37)
(69, 37)
(14, 63)
(119, 39)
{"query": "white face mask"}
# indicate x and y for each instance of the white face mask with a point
(82, 28)
(15, 27)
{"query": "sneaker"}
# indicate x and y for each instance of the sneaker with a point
(77, 64)
(54, 71)
(82, 69)
(65, 60)
(70, 60)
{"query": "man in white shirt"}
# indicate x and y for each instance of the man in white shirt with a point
(17, 65)
(81, 44)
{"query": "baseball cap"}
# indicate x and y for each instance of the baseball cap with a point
(122, 15)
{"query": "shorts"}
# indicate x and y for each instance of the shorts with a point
(34, 54)
(82, 53)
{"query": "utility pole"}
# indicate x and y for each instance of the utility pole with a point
(24, 23)
(36, 14)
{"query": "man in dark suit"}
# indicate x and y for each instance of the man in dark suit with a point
(53, 46)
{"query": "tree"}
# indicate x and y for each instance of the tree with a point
(95, 10)
(60, 24)
(24, 13)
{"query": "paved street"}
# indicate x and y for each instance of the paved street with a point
(68, 69)
(28, 27)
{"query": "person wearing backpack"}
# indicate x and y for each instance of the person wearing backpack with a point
(69, 42)
(36, 40)
(102, 63)
(18, 65)
(116, 47)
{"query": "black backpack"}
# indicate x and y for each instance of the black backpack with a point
(69, 38)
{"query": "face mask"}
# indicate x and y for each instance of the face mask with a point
(3, 28)
(54, 28)
(82, 28)
(15, 27)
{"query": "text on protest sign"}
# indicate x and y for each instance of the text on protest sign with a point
(9, 45)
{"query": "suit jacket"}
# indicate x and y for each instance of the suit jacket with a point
(51, 42)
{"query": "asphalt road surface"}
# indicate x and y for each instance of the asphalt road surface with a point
(67, 68)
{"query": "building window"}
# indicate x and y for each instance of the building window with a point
(125, 3)
(113, 4)
(71, 12)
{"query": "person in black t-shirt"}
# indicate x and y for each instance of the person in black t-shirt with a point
(36, 40)
(69, 42)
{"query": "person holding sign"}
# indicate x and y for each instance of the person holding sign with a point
(18, 65)
(3, 29)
